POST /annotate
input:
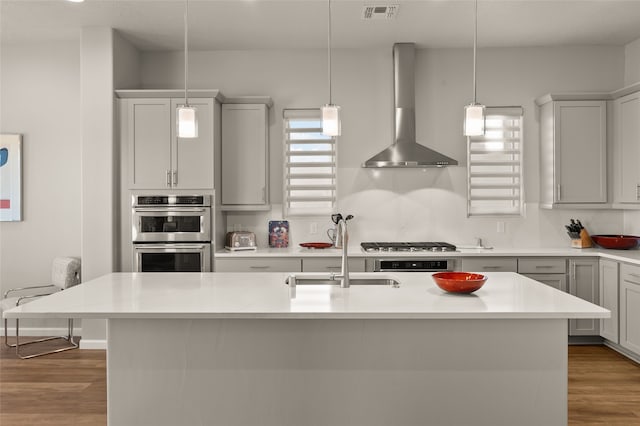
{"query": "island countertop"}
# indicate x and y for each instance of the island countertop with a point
(505, 295)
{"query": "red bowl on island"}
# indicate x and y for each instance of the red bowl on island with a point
(619, 242)
(459, 282)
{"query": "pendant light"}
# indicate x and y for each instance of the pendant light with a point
(186, 117)
(331, 125)
(474, 112)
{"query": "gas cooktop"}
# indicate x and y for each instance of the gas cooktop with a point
(408, 247)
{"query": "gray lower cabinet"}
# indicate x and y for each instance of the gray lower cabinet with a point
(608, 283)
(258, 264)
(557, 281)
(583, 283)
(489, 264)
(630, 307)
(331, 264)
(549, 271)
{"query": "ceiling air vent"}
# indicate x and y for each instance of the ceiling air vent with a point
(380, 12)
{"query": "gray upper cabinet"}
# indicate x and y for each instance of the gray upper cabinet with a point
(573, 153)
(627, 149)
(245, 156)
(156, 157)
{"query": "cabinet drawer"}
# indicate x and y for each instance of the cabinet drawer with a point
(490, 264)
(330, 265)
(630, 273)
(557, 281)
(268, 264)
(542, 266)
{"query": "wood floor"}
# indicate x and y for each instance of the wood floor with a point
(69, 388)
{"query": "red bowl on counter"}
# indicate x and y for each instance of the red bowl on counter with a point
(459, 282)
(619, 242)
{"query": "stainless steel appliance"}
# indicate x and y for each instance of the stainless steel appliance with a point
(407, 246)
(240, 240)
(413, 265)
(172, 257)
(171, 233)
(410, 264)
(163, 218)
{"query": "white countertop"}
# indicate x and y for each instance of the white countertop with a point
(505, 295)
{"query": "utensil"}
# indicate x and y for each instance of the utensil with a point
(459, 282)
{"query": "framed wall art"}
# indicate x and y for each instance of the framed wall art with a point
(10, 178)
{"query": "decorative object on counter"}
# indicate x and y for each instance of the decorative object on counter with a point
(10, 176)
(331, 125)
(278, 233)
(318, 245)
(459, 282)
(474, 120)
(337, 238)
(579, 236)
(240, 240)
(617, 242)
(186, 115)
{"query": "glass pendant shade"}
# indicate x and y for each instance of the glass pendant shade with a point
(474, 120)
(331, 125)
(187, 120)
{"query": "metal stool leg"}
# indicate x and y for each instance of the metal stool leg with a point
(17, 344)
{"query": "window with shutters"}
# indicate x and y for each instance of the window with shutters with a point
(310, 164)
(495, 186)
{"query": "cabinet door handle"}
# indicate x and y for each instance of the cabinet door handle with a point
(175, 178)
(558, 192)
(168, 177)
(333, 268)
(259, 267)
(264, 194)
(634, 275)
(492, 267)
(637, 192)
(544, 266)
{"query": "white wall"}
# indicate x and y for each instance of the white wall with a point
(405, 204)
(40, 98)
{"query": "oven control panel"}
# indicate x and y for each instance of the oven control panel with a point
(413, 265)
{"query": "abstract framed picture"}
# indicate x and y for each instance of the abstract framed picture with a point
(10, 178)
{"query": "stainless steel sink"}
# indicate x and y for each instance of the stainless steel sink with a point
(293, 280)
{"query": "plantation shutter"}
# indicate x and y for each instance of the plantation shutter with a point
(495, 186)
(310, 164)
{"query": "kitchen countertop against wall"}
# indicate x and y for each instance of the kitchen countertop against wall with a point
(631, 256)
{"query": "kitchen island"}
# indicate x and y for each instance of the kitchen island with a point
(246, 349)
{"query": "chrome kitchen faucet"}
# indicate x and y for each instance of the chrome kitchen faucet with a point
(342, 237)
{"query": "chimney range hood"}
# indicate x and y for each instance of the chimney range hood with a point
(405, 152)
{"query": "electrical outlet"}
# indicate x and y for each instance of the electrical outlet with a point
(313, 228)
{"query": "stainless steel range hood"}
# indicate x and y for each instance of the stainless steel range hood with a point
(405, 151)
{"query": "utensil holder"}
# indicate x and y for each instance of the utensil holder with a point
(583, 242)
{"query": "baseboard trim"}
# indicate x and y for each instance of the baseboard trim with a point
(93, 344)
(624, 351)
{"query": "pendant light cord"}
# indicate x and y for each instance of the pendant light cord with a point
(186, 51)
(329, 46)
(475, 43)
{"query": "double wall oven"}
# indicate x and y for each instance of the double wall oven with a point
(171, 233)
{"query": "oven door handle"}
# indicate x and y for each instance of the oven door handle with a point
(178, 246)
(142, 210)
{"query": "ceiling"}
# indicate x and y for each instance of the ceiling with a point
(154, 25)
